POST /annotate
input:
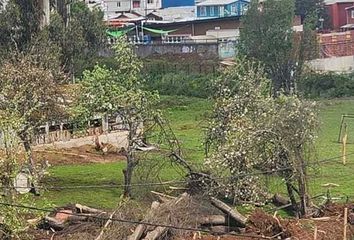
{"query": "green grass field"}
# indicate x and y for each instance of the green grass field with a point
(187, 117)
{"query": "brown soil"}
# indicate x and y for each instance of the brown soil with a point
(80, 155)
(263, 224)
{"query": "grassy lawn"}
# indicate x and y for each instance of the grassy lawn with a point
(185, 115)
(187, 118)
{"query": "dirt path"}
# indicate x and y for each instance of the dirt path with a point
(76, 155)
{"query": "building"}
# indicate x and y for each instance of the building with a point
(172, 14)
(221, 8)
(350, 18)
(217, 28)
(177, 3)
(112, 7)
(339, 12)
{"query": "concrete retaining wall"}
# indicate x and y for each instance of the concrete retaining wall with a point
(210, 50)
(334, 64)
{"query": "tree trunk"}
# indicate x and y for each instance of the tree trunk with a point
(291, 195)
(24, 136)
(233, 213)
(133, 126)
(302, 183)
(128, 174)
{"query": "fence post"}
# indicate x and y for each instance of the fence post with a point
(315, 233)
(345, 222)
(344, 145)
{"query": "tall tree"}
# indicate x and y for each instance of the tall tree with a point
(20, 22)
(81, 38)
(30, 92)
(250, 132)
(267, 36)
(304, 8)
(119, 91)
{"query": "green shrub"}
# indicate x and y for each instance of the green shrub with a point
(180, 84)
(327, 85)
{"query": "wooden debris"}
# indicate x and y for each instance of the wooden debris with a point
(233, 213)
(105, 226)
(138, 232)
(321, 219)
(84, 209)
(219, 229)
(141, 228)
(163, 197)
(156, 233)
(213, 220)
(54, 223)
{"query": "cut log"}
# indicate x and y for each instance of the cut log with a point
(219, 230)
(54, 223)
(233, 213)
(75, 218)
(163, 197)
(138, 232)
(213, 220)
(141, 228)
(84, 209)
(156, 233)
(325, 219)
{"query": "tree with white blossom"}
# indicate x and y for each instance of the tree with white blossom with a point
(252, 133)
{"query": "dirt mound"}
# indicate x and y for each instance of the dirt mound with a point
(329, 227)
(79, 155)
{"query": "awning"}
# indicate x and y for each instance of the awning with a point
(118, 33)
(158, 31)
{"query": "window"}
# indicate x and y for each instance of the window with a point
(150, 1)
(118, 4)
(352, 12)
(212, 11)
(136, 4)
(233, 8)
(203, 11)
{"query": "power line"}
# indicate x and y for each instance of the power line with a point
(151, 184)
(135, 222)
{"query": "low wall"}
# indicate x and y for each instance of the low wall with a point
(211, 50)
(117, 139)
(333, 64)
(205, 50)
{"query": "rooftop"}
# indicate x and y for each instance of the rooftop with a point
(329, 2)
(215, 2)
(175, 13)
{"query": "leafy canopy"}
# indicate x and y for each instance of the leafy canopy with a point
(251, 131)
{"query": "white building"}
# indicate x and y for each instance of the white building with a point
(112, 7)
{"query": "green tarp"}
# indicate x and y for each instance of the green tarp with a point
(158, 31)
(118, 33)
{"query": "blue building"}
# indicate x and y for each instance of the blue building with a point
(177, 3)
(221, 8)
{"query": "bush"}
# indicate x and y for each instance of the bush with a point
(327, 85)
(180, 84)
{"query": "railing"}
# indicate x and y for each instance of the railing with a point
(172, 40)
